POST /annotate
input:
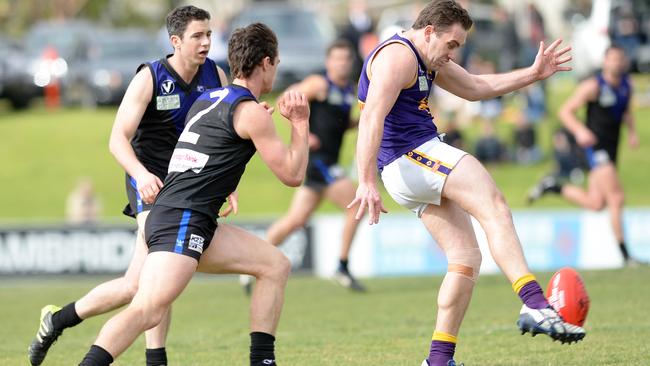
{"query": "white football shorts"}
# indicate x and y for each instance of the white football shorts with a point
(416, 179)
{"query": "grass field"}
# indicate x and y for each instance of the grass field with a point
(44, 154)
(323, 324)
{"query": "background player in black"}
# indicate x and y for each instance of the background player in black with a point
(224, 129)
(144, 134)
(606, 96)
(331, 97)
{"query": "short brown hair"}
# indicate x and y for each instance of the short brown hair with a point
(248, 46)
(340, 43)
(442, 14)
(179, 18)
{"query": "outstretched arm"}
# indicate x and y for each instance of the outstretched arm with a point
(458, 81)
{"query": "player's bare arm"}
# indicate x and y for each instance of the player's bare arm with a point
(632, 136)
(460, 82)
(314, 87)
(127, 120)
(253, 122)
(587, 91)
(394, 68)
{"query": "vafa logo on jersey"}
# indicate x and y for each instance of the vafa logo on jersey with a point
(166, 101)
(167, 87)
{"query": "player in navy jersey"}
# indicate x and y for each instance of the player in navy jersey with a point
(147, 125)
(440, 183)
(330, 101)
(224, 129)
(607, 97)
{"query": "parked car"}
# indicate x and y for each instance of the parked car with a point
(303, 36)
(111, 62)
(16, 82)
(55, 48)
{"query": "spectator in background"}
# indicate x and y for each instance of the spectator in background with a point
(532, 31)
(488, 147)
(507, 31)
(625, 30)
(359, 25)
(83, 205)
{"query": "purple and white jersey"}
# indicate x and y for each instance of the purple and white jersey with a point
(409, 123)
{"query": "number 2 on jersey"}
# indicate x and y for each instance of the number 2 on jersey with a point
(193, 137)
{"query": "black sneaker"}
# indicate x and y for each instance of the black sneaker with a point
(546, 185)
(45, 337)
(345, 279)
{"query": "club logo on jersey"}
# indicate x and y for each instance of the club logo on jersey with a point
(424, 85)
(167, 87)
(167, 102)
(196, 243)
(335, 97)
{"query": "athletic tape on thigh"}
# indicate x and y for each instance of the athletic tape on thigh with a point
(464, 261)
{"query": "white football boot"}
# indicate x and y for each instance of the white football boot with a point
(549, 322)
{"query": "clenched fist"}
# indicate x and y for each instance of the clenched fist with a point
(294, 106)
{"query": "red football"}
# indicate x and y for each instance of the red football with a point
(567, 294)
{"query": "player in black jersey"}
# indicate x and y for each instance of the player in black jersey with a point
(224, 128)
(331, 97)
(607, 97)
(147, 125)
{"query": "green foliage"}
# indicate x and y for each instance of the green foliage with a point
(390, 325)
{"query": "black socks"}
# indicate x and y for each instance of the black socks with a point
(97, 356)
(262, 349)
(66, 317)
(156, 356)
(623, 248)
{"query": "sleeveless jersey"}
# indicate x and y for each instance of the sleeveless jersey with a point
(210, 157)
(409, 123)
(605, 114)
(164, 118)
(329, 119)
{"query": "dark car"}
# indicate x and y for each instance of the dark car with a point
(303, 36)
(111, 63)
(16, 82)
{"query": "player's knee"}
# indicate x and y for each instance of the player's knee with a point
(278, 268)
(596, 204)
(146, 315)
(130, 289)
(298, 222)
(500, 205)
(616, 199)
(465, 262)
(283, 267)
